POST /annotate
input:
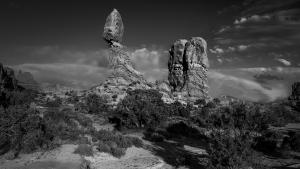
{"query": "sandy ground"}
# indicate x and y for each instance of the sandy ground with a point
(64, 158)
(59, 158)
(135, 158)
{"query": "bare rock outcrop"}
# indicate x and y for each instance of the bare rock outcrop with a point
(188, 65)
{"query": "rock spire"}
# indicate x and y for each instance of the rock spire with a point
(188, 65)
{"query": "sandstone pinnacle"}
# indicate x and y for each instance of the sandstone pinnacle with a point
(188, 64)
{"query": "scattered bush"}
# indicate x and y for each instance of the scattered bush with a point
(114, 143)
(96, 104)
(16, 97)
(227, 151)
(295, 141)
(68, 125)
(84, 150)
(57, 102)
(24, 130)
(140, 108)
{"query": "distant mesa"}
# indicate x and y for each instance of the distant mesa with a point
(10, 81)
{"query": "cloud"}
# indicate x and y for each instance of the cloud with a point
(242, 47)
(262, 28)
(255, 84)
(71, 75)
(151, 62)
(253, 18)
(83, 69)
(220, 60)
(55, 54)
(217, 50)
(242, 88)
(285, 62)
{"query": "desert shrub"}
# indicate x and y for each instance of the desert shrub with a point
(227, 151)
(200, 102)
(239, 115)
(81, 107)
(115, 144)
(96, 104)
(68, 125)
(84, 149)
(17, 97)
(270, 142)
(118, 152)
(153, 136)
(211, 104)
(184, 129)
(73, 98)
(24, 130)
(141, 108)
(281, 114)
(177, 109)
(56, 102)
(217, 101)
(294, 141)
(103, 147)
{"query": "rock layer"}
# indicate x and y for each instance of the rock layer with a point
(188, 65)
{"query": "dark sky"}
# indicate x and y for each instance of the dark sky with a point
(60, 42)
(80, 23)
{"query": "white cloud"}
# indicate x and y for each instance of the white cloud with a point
(253, 18)
(243, 88)
(284, 61)
(216, 50)
(240, 21)
(220, 60)
(242, 47)
(151, 63)
(72, 75)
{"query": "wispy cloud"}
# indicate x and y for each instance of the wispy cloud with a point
(263, 27)
(284, 62)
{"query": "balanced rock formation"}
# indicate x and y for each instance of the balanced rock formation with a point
(188, 65)
(119, 59)
(123, 75)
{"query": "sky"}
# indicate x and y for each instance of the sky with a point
(253, 45)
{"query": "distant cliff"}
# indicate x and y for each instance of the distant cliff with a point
(26, 80)
(8, 80)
